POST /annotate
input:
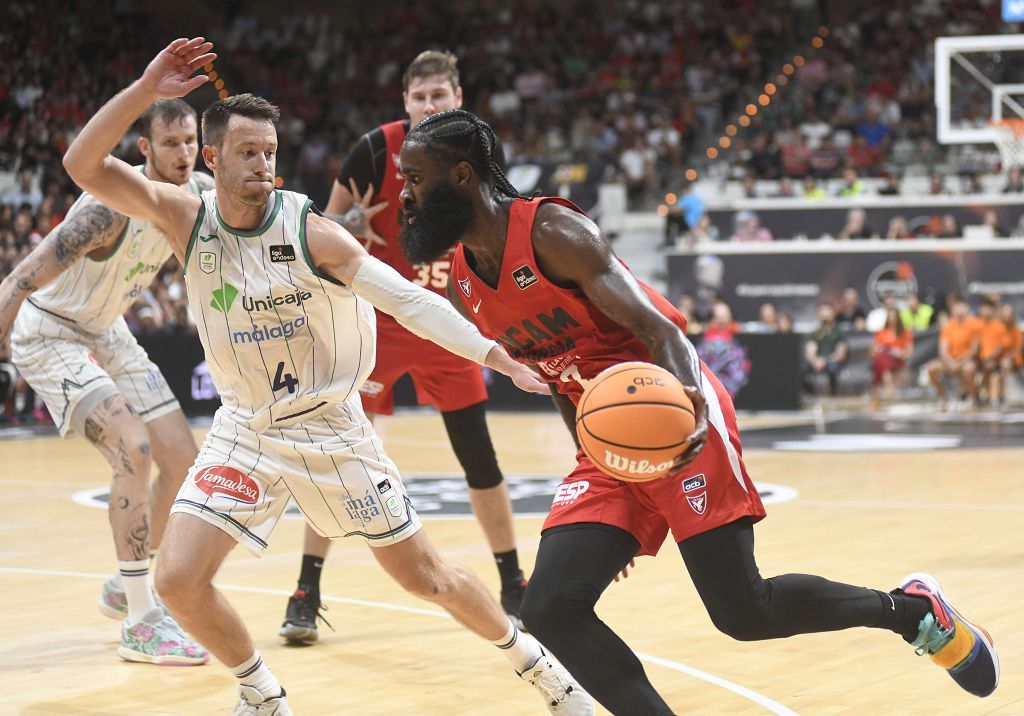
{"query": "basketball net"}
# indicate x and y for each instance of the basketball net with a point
(1010, 141)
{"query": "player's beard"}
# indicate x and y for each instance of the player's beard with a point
(442, 217)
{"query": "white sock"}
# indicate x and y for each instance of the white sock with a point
(137, 589)
(253, 672)
(521, 649)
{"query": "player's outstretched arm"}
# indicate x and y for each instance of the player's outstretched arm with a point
(572, 251)
(336, 252)
(92, 226)
(114, 182)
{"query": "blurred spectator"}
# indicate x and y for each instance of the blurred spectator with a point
(949, 229)
(785, 190)
(24, 192)
(748, 228)
(812, 190)
(721, 326)
(768, 319)
(916, 316)
(814, 130)
(875, 132)
(637, 164)
(876, 317)
(686, 306)
(785, 323)
(897, 228)
(1014, 182)
(825, 352)
(852, 185)
(850, 316)
(937, 184)
(990, 218)
(891, 185)
(705, 231)
(992, 341)
(972, 184)
(856, 226)
(720, 351)
(1013, 355)
(686, 213)
(958, 347)
(890, 352)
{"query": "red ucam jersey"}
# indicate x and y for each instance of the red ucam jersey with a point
(432, 276)
(540, 323)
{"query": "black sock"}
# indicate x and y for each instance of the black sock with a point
(902, 613)
(508, 568)
(309, 577)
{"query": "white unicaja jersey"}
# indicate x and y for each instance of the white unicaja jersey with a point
(92, 294)
(282, 339)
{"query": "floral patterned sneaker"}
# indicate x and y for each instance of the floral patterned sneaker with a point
(114, 603)
(157, 639)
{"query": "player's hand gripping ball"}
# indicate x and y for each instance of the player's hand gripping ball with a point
(633, 421)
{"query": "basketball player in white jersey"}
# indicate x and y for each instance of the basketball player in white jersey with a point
(284, 303)
(70, 342)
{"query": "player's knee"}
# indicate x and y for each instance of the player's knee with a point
(484, 476)
(740, 625)
(436, 582)
(176, 584)
(546, 611)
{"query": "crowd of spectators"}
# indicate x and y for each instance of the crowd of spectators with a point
(973, 358)
(633, 92)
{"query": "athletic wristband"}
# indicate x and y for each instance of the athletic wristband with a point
(423, 312)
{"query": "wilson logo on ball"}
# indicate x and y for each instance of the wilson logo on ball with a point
(634, 467)
(229, 482)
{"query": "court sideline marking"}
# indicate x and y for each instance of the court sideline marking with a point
(763, 701)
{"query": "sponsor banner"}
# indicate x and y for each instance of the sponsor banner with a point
(795, 277)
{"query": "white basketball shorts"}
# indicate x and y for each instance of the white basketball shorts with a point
(333, 464)
(68, 367)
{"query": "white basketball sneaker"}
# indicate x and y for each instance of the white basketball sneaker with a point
(252, 703)
(560, 690)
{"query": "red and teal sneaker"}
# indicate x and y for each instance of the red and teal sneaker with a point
(963, 649)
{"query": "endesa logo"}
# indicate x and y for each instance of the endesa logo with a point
(229, 482)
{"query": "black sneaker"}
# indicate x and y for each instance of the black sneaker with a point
(299, 626)
(512, 599)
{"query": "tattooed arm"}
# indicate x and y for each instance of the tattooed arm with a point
(92, 226)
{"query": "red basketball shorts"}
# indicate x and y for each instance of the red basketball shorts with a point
(712, 491)
(443, 380)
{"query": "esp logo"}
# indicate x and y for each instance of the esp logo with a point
(569, 492)
(229, 482)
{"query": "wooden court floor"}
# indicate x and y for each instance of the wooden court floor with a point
(865, 518)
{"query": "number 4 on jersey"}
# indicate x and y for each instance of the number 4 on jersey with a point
(284, 380)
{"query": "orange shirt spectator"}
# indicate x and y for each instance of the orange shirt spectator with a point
(992, 336)
(960, 336)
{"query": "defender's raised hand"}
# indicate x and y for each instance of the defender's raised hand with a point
(170, 73)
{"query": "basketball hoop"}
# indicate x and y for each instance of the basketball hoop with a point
(1010, 141)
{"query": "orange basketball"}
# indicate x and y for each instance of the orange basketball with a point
(633, 420)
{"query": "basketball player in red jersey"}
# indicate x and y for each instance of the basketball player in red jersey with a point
(536, 275)
(364, 199)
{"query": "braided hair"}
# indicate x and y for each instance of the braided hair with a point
(460, 136)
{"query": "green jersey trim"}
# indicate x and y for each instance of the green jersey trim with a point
(303, 215)
(195, 233)
(278, 201)
(117, 246)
